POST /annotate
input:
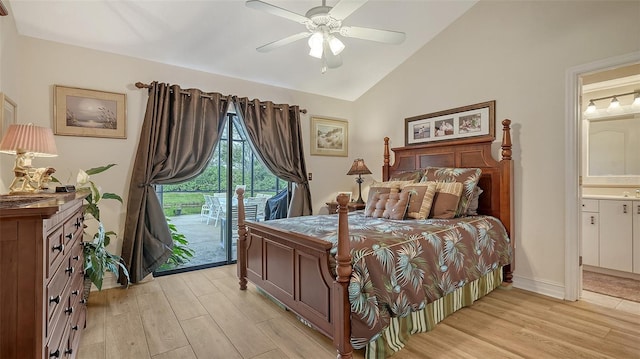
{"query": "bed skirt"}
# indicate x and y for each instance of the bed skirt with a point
(396, 335)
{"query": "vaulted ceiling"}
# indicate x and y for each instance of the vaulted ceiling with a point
(221, 37)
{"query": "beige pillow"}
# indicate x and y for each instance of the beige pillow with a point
(420, 200)
(469, 178)
(446, 199)
(396, 205)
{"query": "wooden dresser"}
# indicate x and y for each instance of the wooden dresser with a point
(41, 275)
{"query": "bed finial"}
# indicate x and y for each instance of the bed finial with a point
(342, 329)
(506, 139)
(385, 165)
(242, 241)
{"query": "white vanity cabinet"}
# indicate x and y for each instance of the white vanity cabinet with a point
(616, 235)
(611, 234)
(590, 232)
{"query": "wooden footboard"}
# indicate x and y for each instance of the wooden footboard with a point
(294, 269)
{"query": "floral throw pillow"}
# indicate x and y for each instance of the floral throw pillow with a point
(469, 178)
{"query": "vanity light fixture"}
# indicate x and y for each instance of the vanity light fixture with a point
(636, 100)
(614, 105)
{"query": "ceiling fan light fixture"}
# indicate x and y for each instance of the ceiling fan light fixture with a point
(316, 52)
(336, 45)
(315, 44)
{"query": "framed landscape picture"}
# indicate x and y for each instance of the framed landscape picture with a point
(91, 113)
(477, 121)
(329, 137)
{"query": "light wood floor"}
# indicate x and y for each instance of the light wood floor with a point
(203, 314)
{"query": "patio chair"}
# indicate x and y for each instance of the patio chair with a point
(260, 202)
(206, 208)
(216, 209)
(250, 214)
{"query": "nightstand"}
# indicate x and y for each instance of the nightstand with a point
(352, 206)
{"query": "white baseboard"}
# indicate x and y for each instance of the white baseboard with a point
(555, 290)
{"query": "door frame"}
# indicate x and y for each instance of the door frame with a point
(573, 148)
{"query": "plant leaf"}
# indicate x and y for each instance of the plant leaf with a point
(108, 195)
(100, 169)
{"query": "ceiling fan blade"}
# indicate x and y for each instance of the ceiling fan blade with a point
(332, 61)
(278, 11)
(345, 8)
(386, 36)
(287, 40)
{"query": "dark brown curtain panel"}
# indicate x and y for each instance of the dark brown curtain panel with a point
(179, 134)
(274, 131)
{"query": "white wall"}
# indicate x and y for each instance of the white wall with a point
(517, 53)
(45, 63)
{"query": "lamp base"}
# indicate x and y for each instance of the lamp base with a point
(31, 180)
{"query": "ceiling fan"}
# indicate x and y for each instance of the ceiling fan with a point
(323, 24)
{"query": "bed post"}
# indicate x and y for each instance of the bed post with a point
(342, 309)
(506, 197)
(385, 166)
(242, 241)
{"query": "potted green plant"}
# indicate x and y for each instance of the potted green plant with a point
(181, 253)
(97, 259)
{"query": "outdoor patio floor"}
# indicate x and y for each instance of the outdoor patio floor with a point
(204, 239)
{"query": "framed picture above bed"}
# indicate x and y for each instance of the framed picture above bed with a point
(476, 121)
(329, 137)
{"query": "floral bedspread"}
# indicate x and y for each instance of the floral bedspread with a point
(400, 266)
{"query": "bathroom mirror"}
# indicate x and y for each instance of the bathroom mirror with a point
(613, 149)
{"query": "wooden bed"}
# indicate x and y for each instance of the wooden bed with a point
(294, 268)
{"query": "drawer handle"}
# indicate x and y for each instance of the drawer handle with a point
(59, 247)
(75, 327)
(593, 220)
(55, 299)
(624, 208)
(55, 354)
(75, 258)
(69, 270)
(83, 301)
(68, 310)
(77, 224)
(68, 351)
(75, 292)
(69, 236)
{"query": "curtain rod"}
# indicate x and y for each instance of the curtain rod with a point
(141, 85)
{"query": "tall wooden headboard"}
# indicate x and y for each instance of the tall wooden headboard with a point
(497, 175)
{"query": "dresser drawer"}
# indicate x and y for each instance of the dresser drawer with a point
(57, 298)
(56, 344)
(55, 250)
(589, 205)
(77, 324)
(72, 229)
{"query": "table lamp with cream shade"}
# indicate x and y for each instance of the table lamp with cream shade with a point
(26, 142)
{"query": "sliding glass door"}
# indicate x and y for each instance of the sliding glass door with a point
(202, 212)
